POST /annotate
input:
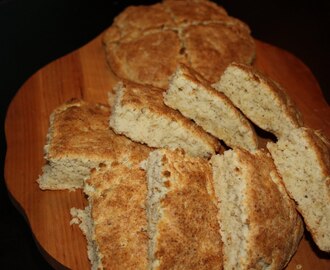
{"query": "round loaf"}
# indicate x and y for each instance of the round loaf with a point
(145, 44)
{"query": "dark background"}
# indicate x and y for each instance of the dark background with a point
(33, 33)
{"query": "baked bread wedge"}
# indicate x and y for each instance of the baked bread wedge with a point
(115, 221)
(140, 114)
(79, 139)
(182, 213)
(145, 43)
(259, 225)
(262, 100)
(193, 96)
(303, 159)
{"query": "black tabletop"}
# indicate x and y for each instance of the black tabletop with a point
(33, 33)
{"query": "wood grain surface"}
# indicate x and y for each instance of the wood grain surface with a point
(84, 74)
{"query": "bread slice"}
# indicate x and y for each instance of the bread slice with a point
(260, 227)
(79, 139)
(140, 114)
(303, 160)
(262, 100)
(182, 214)
(192, 95)
(115, 222)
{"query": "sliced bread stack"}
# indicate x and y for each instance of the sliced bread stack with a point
(235, 207)
(301, 154)
(193, 96)
(140, 114)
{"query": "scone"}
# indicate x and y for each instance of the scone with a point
(262, 100)
(145, 43)
(259, 225)
(115, 221)
(79, 139)
(140, 114)
(192, 95)
(182, 213)
(303, 160)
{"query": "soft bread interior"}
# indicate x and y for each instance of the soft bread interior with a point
(234, 226)
(65, 173)
(155, 130)
(305, 179)
(214, 113)
(156, 191)
(253, 209)
(253, 96)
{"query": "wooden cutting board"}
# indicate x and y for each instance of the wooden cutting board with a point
(84, 74)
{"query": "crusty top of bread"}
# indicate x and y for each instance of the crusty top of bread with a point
(117, 196)
(81, 130)
(187, 232)
(145, 43)
(146, 97)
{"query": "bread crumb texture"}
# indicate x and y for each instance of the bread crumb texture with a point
(140, 114)
(182, 213)
(146, 43)
(262, 100)
(303, 160)
(259, 225)
(193, 96)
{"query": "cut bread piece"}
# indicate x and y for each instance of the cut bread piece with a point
(260, 227)
(193, 96)
(182, 213)
(140, 113)
(262, 100)
(115, 221)
(79, 139)
(303, 160)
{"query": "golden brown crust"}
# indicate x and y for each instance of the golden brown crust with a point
(118, 212)
(195, 11)
(210, 57)
(81, 130)
(149, 58)
(140, 19)
(142, 97)
(188, 232)
(145, 43)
